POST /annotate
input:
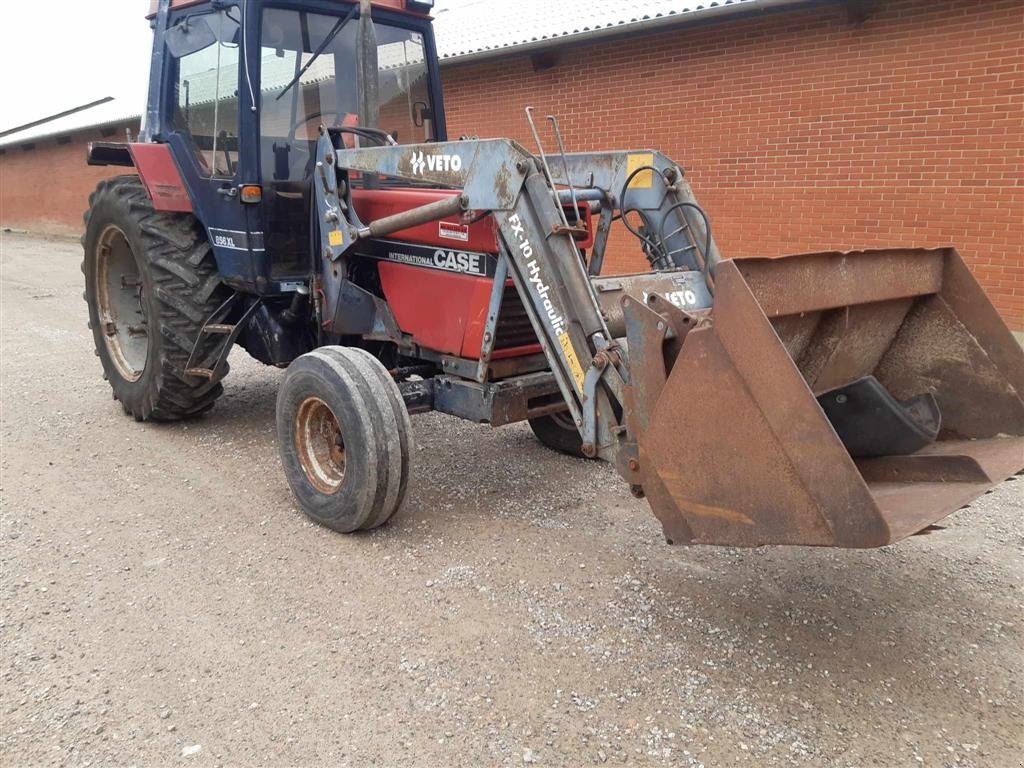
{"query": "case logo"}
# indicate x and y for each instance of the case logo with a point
(446, 259)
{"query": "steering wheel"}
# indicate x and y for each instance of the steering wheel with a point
(337, 115)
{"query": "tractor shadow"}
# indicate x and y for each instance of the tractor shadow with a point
(459, 469)
(245, 411)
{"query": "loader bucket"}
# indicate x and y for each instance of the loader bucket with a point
(826, 399)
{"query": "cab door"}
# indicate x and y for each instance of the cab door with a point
(203, 103)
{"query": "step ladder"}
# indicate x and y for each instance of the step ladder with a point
(213, 366)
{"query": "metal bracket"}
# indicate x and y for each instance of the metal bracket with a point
(493, 310)
(231, 332)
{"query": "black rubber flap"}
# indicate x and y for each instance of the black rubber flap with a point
(871, 422)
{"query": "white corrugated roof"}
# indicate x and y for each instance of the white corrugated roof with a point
(468, 29)
(123, 110)
(472, 28)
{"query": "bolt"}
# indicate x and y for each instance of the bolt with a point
(840, 399)
(521, 166)
(588, 450)
(634, 465)
(329, 158)
(661, 326)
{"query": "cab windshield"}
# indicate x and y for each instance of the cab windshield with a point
(309, 77)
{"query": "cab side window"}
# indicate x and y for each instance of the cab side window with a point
(206, 50)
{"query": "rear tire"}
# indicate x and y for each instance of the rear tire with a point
(150, 283)
(558, 433)
(344, 436)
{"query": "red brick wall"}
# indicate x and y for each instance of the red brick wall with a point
(800, 131)
(47, 188)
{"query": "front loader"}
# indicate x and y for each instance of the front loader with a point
(296, 194)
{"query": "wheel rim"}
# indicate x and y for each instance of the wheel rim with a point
(564, 420)
(319, 445)
(121, 304)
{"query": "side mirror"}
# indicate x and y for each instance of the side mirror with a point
(421, 113)
(194, 33)
(189, 35)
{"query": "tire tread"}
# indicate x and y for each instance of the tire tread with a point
(188, 289)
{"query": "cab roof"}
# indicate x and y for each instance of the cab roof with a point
(394, 5)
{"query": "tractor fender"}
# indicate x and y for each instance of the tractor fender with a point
(155, 166)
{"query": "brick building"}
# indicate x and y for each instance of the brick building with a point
(802, 125)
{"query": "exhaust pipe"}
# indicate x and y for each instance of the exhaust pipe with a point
(366, 55)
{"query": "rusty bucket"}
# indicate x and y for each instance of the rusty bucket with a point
(742, 439)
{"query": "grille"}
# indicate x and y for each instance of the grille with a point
(513, 329)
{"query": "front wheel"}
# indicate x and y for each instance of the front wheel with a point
(345, 439)
(558, 432)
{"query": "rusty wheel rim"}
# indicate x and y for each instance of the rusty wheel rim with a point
(319, 445)
(121, 304)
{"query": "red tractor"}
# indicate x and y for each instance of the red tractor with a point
(294, 192)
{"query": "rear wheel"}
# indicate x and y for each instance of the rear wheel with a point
(558, 432)
(150, 283)
(344, 436)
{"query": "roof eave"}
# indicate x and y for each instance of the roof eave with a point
(15, 142)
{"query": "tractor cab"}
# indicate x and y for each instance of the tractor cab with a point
(239, 91)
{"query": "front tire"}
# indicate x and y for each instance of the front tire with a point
(150, 283)
(558, 433)
(344, 436)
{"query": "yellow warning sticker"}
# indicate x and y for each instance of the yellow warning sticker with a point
(335, 238)
(644, 179)
(570, 356)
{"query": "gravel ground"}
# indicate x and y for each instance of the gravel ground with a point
(164, 601)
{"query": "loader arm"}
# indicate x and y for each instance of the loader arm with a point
(823, 399)
(500, 176)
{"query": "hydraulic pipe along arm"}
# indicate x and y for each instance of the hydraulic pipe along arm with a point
(425, 213)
